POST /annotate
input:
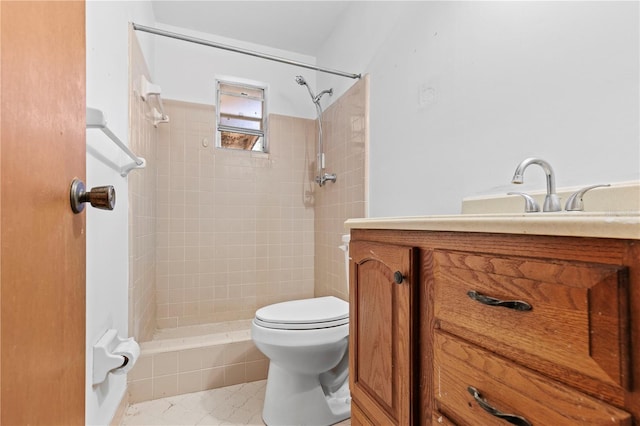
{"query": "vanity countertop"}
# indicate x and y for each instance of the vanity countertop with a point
(624, 225)
(614, 212)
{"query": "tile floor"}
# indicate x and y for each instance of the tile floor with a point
(232, 405)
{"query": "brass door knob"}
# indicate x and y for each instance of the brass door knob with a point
(100, 197)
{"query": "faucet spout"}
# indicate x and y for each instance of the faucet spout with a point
(551, 200)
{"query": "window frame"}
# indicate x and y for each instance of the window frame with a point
(250, 86)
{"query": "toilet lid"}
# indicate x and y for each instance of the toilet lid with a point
(320, 312)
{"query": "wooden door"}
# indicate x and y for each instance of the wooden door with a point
(42, 250)
(381, 335)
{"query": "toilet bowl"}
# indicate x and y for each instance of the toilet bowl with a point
(306, 342)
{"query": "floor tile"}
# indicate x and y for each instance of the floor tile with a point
(237, 405)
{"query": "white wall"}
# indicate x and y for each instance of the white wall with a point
(500, 81)
(186, 71)
(107, 231)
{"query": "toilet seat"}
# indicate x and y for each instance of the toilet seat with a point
(306, 314)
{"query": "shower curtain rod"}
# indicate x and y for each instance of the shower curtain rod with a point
(203, 42)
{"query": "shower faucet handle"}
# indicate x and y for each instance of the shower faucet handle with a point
(321, 180)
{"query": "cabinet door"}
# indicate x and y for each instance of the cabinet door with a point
(358, 418)
(381, 340)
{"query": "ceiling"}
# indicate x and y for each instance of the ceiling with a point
(297, 26)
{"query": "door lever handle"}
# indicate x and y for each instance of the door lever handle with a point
(100, 197)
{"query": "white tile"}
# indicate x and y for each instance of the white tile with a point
(232, 405)
(237, 405)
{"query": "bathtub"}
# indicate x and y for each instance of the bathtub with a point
(195, 358)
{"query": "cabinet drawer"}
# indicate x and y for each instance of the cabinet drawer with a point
(438, 419)
(508, 388)
(576, 330)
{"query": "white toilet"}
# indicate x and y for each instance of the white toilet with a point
(307, 344)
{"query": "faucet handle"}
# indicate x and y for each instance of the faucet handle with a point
(575, 203)
(530, 205)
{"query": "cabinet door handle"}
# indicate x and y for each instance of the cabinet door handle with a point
(398, 277)
(518, 305)
(510, 418)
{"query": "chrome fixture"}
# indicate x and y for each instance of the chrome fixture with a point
(551, 200)
(575, 203)
(321, 180)
(321, 177)
(530, 204)
(208, 43)
(315, 98)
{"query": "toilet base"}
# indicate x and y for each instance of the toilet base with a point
(295, 399)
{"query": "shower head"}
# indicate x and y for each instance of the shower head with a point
(302, 82)
(316, 99)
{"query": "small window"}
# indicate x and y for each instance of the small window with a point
(241, 116)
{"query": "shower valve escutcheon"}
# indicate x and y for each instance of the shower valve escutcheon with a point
(321, 180)
(100, 197)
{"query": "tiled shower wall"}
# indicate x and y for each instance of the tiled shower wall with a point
(142, 206)
(235, 229)
(215, 234)
(345, 138)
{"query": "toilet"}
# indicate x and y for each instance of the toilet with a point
(307, 344)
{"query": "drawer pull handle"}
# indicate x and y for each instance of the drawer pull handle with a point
(518, 305)
(510, 418)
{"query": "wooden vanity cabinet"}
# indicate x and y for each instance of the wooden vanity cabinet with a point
(540, 328)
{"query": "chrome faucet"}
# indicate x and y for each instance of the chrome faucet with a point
(551, 200)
